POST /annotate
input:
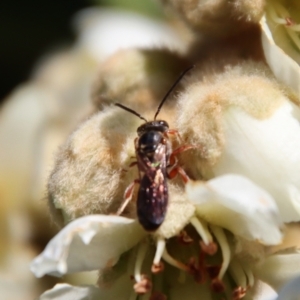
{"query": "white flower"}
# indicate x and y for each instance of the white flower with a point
(243, 121)
(240, 202)
(281, 41)
(232, 237)
(266, 152)
(104, 31)
(291, 290)
(218, 235)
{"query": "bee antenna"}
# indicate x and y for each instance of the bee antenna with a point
(131, 111)
(171, 89)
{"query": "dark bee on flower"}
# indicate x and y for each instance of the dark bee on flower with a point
(153, 154)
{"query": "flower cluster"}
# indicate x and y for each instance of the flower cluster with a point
(228, 229)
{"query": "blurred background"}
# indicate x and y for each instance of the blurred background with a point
(31, 29)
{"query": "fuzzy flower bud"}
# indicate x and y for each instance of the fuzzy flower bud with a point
(218, 18)
(89, 175)
(138, 78)
(244, 122)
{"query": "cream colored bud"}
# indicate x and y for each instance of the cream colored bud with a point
(139, 79)
(220, 17)
(89, 175)
(249, 87)
(244, 122)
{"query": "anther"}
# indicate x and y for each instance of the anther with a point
(217, 285)
(239, 293)
(210, 249)
(197, 270)
(184, 238)
(157, 268)
(208, 246)
(143, 286)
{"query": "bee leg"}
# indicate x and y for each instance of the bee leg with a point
(176, 132)
(134, 163)
(131, 165)
(173, 159)
(178, 170)
(173, 163)
(127, 196)
(182, 149)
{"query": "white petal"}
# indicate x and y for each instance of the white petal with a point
(236, 203)
(290, 291)
(266, 151)
(284, 68)
(277, 270)
(105, 31)
(88, 243)
(121, 290)
(264, 292)
(68, 292)
(294, 194)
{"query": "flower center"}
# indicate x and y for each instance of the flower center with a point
(202, 251)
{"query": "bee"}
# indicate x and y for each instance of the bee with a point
(153, 151)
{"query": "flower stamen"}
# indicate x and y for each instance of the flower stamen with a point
(173, 262)
(184, 238)
(143, 286)
(222, 240)
(238, 273)
(239, 293)
(160, 248)
(155, 269)
(198, 269)
(249, 274)
(142, 249)
(243, 277)
(208, 246)
(157, 265)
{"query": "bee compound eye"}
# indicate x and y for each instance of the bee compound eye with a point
(149, 140)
